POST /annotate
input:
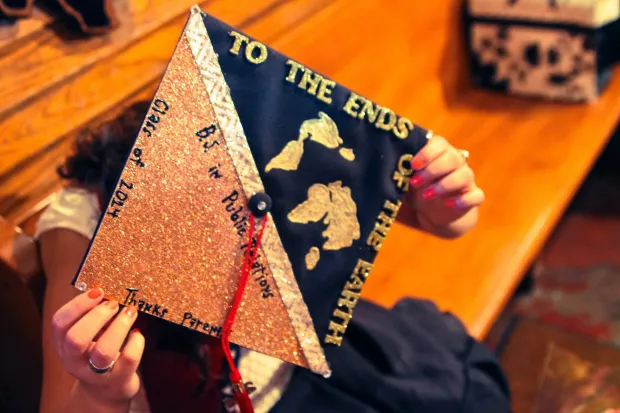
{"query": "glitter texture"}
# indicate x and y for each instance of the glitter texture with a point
(173, 249)
(237, 145)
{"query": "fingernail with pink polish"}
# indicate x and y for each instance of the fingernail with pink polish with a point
(430, 193)
(416, 180)
(451, 203)
(95, 293)
(417, 163)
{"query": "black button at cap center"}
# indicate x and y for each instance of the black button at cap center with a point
(260, 204)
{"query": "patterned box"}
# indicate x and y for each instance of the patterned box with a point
(557, 49)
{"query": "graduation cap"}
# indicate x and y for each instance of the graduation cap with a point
(241, 139)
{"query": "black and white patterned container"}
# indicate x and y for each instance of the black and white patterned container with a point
(557, 49)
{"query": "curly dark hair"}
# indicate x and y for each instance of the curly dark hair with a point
(99, 157)
(100, 153)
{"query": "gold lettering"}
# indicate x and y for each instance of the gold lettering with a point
(336, 332)
(369, 110)
(333, 339)
(403, 172)
(375, 240)
(393, 208)
(344, 316)
(362, 268)
(404, 165)
(402, 181)
(383, 224)
(325, 91)
(313, 83)
(295, 67)
(352, 105)
(386, 114)
(239, 41)
(355, 284)
(310, 82)
(402, 128)
(262, 52)
(382, 118)
(349, 299)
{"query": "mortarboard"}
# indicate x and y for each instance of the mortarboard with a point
(236, 131)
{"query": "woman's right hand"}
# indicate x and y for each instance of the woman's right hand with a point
(88, 328)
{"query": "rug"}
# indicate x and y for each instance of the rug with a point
(577, 286)
(584, 300)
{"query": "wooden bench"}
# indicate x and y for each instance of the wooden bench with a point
(65, 87)
(530, 156)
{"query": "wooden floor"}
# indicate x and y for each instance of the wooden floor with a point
(529, 156)
(524, 358)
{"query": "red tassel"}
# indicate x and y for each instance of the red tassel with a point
(242, 397)
(240, 391)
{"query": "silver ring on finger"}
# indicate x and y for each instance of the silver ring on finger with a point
(99, 370)
(465, 154)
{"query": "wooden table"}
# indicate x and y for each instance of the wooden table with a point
(529, 156)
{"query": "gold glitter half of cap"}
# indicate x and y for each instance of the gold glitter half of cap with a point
(173, 249)
(237, 145)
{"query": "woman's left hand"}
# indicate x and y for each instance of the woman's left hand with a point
(443, 192)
